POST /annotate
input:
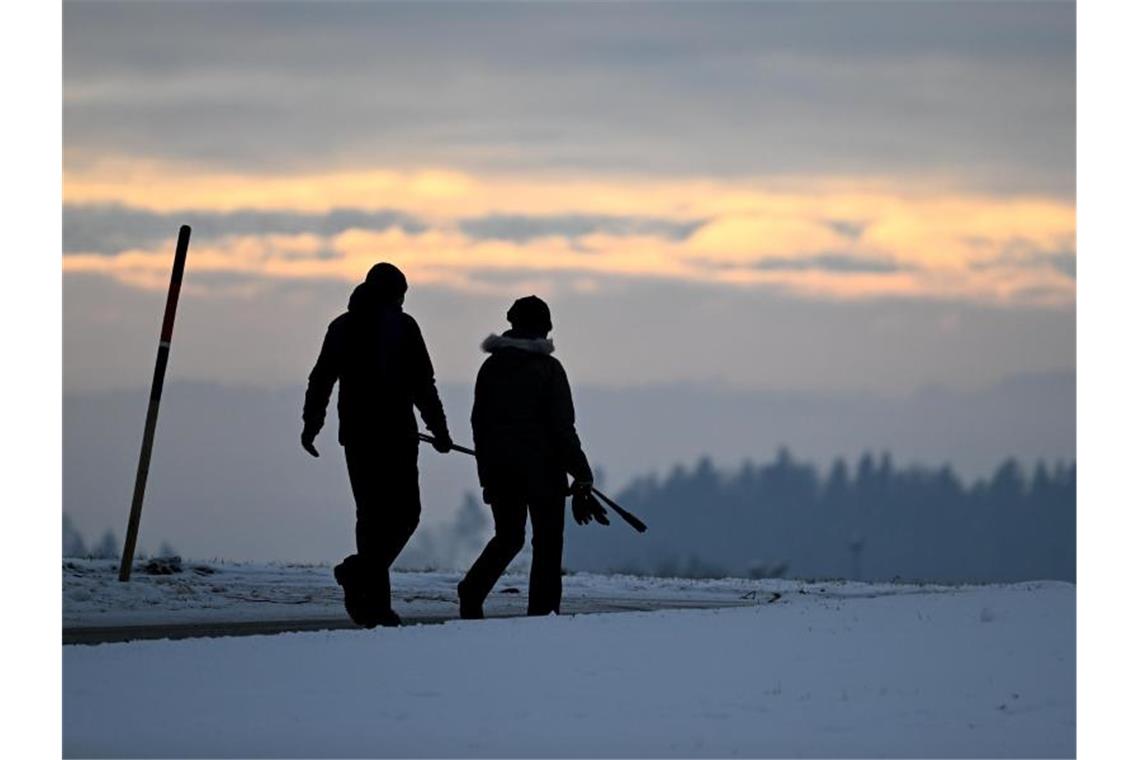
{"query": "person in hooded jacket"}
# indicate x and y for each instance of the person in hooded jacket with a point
(526, 444)
(377, 354)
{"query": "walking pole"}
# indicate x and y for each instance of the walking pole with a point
(629, 517)
(155, 396)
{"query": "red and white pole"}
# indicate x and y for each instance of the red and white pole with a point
(155, 396)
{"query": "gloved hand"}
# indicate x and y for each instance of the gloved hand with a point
(585, 508)
(581, 486)
(308, 435)
(441, 442)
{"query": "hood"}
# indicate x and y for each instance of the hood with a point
(365, 298)
(493, 343)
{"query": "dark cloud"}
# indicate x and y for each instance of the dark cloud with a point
(109, 229)
(1022, 253)
(521, 228)
(722, 89)
(839, 263)
(1064, 262)
(647, 35)
(848, 229)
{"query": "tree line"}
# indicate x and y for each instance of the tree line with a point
(870, 521)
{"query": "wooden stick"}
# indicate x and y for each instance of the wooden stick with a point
(629, 517)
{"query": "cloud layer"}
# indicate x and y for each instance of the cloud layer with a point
(983, 93)
(822, 238)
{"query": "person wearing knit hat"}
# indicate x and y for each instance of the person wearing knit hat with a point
(530, 317)
(526, 444)
(376, 352)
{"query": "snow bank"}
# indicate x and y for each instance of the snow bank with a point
(982, 671)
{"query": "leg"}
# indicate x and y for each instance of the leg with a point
(385, 486)
(399, 516)
(547, 520)
(510, 534)
(354, 572)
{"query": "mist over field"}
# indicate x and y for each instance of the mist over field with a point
(230, 480)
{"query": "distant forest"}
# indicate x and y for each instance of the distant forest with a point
(873, 522)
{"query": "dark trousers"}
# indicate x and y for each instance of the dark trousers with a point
(386, 486)
(547, 517)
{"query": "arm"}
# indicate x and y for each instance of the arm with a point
(424, 393)
(478, 426)
(567, 445)
(321, 381)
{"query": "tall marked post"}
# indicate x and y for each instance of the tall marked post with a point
(155, 396)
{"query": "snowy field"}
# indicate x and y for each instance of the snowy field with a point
(826, 670)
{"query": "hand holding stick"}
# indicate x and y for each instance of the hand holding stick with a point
(629, 517)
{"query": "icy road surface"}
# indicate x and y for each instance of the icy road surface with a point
(851, 670)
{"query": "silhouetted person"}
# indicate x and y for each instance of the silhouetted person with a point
(378, 355)
(523, 423)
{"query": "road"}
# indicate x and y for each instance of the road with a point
(109, 634)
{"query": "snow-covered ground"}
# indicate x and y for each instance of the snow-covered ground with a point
(245, 592)
(827, 670)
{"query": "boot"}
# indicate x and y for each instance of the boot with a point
(357, 602)
(387, 618)
(469, 609)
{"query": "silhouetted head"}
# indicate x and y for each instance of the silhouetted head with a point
(386, 282)
(384, 286)
(530, 317)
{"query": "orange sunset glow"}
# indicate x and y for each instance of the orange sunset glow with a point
(903, 239)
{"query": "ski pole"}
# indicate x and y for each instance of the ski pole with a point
(633, 520)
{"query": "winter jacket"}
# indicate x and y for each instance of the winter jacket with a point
(377, 353)
(523, 420)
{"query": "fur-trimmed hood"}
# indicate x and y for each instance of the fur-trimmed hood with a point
(493, 343)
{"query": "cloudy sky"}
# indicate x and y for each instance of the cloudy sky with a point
(853, 196)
